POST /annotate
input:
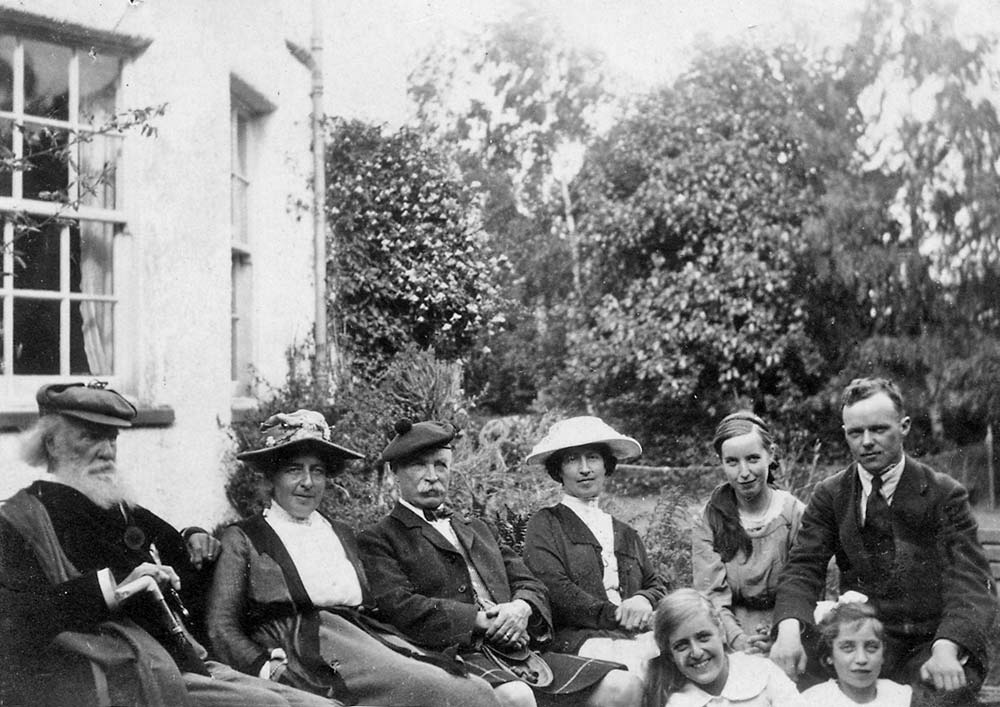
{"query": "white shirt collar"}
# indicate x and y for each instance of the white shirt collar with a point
(890, 479)
(275, 512)
(581, 506)
(419, 511)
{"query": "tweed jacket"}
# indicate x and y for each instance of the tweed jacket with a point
(562, 552)
(422, 586)
(250, 596)
(940, 584)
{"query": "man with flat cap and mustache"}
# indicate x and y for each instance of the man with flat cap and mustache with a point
(92, 585)
(446, 583)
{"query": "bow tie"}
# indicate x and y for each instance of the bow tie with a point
(439, 513)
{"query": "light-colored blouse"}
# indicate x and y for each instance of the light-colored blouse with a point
(753, 682)
(601, 525)
(828, 694)
(327, 575)
(743, 589)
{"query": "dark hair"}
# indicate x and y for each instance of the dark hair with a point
(862, 388)
(672, 611)
(829, 628)
(721, 511)
(270, 466)
(553, 464)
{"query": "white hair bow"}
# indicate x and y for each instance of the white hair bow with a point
(825, 607)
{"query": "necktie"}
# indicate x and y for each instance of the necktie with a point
(877, 532)
(439, 513)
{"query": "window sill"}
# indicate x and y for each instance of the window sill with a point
(159, 416)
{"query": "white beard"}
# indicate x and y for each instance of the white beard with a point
(105, 490)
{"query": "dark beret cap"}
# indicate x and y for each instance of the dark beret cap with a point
(91, 402)
(413, 438)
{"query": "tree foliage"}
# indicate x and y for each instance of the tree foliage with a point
(512, 106)
(691, 213)
(410, 262)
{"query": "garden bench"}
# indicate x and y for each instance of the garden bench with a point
(990, 539)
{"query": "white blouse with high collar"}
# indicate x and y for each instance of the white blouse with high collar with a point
(328, 576)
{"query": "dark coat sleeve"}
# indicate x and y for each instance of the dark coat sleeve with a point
(33, 611)
(565, 568)
(229, 606)
(404, 575)
(423, 587)
(804, 576)
(636, 572)
(969, 614)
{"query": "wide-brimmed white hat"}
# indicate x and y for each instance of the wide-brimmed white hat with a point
(580, 431)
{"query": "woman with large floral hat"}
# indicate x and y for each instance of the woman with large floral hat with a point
(602, 586)
(290, 600)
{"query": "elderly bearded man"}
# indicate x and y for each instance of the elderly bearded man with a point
(83, 573)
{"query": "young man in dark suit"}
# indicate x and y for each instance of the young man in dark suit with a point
(903, 535)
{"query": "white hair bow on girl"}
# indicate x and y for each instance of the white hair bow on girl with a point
(825, 607)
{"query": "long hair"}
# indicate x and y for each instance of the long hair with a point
(721, 512)
(34, 441)
(673, 610)
(851, 614)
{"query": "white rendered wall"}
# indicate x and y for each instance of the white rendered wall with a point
(176, 195)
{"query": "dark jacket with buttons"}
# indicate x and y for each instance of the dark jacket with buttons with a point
(422, 586)
(939, 585)
(562, 552)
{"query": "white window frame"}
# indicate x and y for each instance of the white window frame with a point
(20, 388)
(247, 106)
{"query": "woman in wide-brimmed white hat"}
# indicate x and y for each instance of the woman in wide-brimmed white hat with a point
(602, 586)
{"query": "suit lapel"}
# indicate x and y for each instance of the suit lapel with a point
(849, 503)
(576, 529)
(415, 524)
(908, 501)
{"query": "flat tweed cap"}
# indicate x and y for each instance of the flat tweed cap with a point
(91, 402)
(413, 438)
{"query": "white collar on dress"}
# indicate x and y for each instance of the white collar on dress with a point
(746, 680)
(276, 514)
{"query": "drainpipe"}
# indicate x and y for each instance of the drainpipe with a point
(313, 60)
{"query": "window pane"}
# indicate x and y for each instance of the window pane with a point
(36, 337)
(6, 156)
(3, 333)
(98, 159)
(98, 88)
(6, 72)
(91, 345)
(239, 210)
(91, 258)
(36, 256)
(46, 80)
(46, 173)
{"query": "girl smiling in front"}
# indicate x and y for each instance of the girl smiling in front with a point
(694, 668)
(851, 646)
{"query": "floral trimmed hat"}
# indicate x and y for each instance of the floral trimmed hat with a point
(302, 430)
